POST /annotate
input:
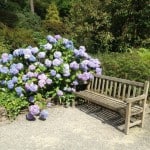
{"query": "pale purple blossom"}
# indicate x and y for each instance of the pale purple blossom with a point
(41, 83)
(34, 110)
(43, 114)
(48, 81)
(42, 77)
(59, 93)
(53, 72)
(32, 67)
(57, 37)
(41, 55)
(74, 65)
(57, 54)
(48, 63)
(56, 62)
(48, 46)
(51, 39)
(34, 50)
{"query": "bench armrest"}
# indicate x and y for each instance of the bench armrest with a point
(134, 99)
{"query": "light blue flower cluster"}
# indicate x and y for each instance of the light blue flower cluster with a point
(55, 68)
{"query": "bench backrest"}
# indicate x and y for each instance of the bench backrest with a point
(116, 87)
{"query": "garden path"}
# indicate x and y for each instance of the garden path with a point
(70, 129)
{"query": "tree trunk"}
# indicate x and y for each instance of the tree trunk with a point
(32, 6)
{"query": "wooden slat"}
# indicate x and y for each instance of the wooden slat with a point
(115, 88)
(129, 91)
(95, 84)
(124, 91)
(106, 88)
(103, 84)
(139, 91)
(134, 91)
(119, 90)
(99, 85)
(110, 89)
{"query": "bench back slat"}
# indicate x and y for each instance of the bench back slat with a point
(116, 87)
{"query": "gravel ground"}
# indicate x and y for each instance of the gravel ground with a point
(71, 129)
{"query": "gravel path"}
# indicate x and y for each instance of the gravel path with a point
(70, 129)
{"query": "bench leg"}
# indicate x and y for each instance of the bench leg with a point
(127, 119)
(143, 114)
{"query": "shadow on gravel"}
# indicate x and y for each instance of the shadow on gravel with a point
(103, 114)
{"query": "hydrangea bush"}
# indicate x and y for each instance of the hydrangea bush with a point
(53, 69)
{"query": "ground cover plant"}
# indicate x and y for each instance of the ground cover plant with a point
(53, 69)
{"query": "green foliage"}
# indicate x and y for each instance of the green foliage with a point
(29, 20)
(8, 18)
(126, 65)
(52, 22)
(130, 23)
(16, 38)
(90, 24)
(12, 103)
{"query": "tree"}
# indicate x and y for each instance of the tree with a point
(32, 6)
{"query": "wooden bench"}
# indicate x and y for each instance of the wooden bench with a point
(119, 95)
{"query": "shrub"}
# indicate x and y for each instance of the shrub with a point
(52, 70)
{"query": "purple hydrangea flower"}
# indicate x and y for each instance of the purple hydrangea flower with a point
(34, 110)
(14, 79)
(34, 50)
(10, 56)
(30, 74)
(53, 72)
(32, 67)
(4, 70)
(31, 99)
(69, 45)
(57, 37)
(56, 62)
(59, 93)
(99, 71)
(30, 117)
(57, 54)
(19, 66)
(41, 55)
(41, 83)
(5, 57)
(27, 53)
(85, 76)
(42, 76)
(58, 75)
(48, 81)
(31, 87)
(76, 52)
(13, 71)
(43, 114)
(25, 77)
(75, 82)
(51, 39)
(48, 63)
(32, 58)
(10, 84)
(74, 65)
(48, 46)
(19, 90)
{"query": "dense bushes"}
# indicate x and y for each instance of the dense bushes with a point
(133, 66)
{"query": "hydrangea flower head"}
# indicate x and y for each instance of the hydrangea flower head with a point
(34, 110)
(48, 46)
(43, 114)
(41, 55)
(57, 54)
